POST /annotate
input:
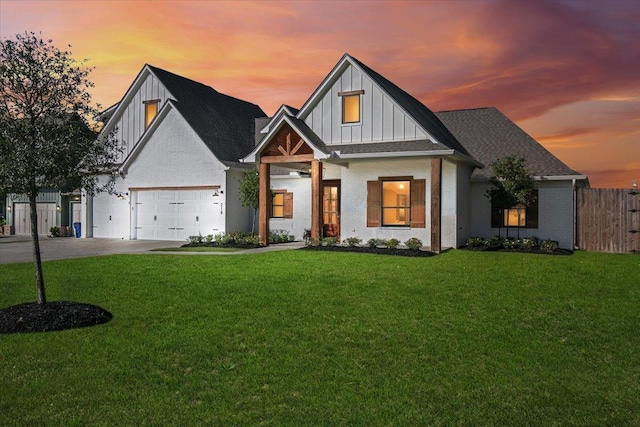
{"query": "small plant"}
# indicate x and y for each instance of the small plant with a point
(329, 241)
(278, 236)
(495, 241)
(372, 243)
(3, 221)
(292, 237)
(54, 231)
(476, 242)
(413, 243)
(548, 245)
(312, 241)
(529, 242)
(512, 243)
(208, 239)
(383, 243)
(352, 241)
(195, 239)
(393, 243)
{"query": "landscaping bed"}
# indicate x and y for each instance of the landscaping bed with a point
(369, 250)
(52, 316)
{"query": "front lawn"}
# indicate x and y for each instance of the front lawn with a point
(319, 338)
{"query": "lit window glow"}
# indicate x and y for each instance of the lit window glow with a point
(351, 109)
(396, 207)
(150, 111)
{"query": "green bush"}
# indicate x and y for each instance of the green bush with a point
(278, 236)
(352, 241)
(393, 243)
(529, 242)
(329, 241)
(548, 245)
(495, 241)
(54, 231)
(512, 243)
(476, 242)
(372, 243)
(413, 243)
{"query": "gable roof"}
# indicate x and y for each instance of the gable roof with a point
(488, 135)
(413, 108)
(224, 123)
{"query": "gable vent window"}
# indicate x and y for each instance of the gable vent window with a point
(351, 106)
(150, 111)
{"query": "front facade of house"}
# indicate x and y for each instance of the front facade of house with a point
(54, 210)
(179, 172)
(362, 158)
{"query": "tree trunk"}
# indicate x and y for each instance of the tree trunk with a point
(37, 260)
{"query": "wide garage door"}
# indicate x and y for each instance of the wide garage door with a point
(110, 216)
(46, 217)
(177, 214)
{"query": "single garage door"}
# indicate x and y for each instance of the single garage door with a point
(22, 217)
(177, 214)
(110, 216)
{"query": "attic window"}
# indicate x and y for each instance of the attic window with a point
(351, 106)
(150, 111)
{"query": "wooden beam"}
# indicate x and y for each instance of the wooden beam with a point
(264, 202)
(436, 205)
(316, 199)
(287, 159)
(297, 147)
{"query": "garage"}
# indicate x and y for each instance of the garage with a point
(110, 216)
(22, 217)
(172, 214)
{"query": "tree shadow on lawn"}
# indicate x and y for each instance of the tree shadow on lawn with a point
(52, 316)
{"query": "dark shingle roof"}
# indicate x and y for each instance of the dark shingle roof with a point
(487, 134)
(425, 117)
(420, 145)
(260, 122)
(225, 124)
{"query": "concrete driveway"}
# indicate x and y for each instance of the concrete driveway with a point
(19, 248)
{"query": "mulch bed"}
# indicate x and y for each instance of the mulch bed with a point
(368, 250)
(52, 316)
(534, 250)
(217, 245)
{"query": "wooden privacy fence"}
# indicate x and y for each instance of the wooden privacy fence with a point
(608, 220)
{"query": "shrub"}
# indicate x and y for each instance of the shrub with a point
(195, 239)
(413, 243)
(548, 245)
(54, 231)
(372, 243)
(529, 242)
(393, 243)
(512, 243)
(312, 241)
(208, 239)
(352, 241)
(476, 242)
(495, 241)
(330, 241)
(278, 236)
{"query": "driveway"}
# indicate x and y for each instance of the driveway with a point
(19, 248)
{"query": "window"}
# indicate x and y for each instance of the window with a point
(515, 216)
(396, 202)
(282, 204)
(351, 106)
(150, 111)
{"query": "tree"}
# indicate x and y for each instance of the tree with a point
(511, 185)
(47, 133)
(250, 193)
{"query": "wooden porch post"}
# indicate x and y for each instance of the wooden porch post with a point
(316, 199)
(265, 192)
(436, 204)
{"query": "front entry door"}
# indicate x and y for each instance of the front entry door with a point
(331, 209)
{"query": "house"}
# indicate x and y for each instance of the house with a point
(364, 158)
(179, 172)
(55, 209)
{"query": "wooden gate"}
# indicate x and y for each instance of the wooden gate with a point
(608, 220)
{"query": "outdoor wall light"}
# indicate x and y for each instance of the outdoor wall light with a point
(57, 207)
(8, 208)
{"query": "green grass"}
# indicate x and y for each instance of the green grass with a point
(198, 249)
(307, 338)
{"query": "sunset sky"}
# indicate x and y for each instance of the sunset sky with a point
(567, 72)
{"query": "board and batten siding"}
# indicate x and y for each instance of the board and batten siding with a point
(380, 118)
(130, 125)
